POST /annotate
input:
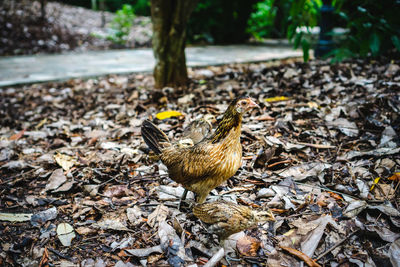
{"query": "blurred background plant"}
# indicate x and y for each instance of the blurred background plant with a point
(288, 18)
(369, 28)
(373, 29)
(303, 17)
(261, 21)
(220, 21)
(121, 25)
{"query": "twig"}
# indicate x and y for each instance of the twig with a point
(397, 186)
(156, 204)
(59, 254)
(216, 258)
(15, 176)
(328, 189)
(336, 245)
(279, 162)
(106, 182)
(120, 162)
(316, 145)
(236, 190)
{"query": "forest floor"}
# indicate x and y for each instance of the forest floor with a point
(321, 153)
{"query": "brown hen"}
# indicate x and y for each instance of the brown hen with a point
(226, 218)
(202, 167)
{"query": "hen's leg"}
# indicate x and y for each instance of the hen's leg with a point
(229, 259)
(183, 197)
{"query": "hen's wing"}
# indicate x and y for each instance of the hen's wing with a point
(197, 130)
(192, 164)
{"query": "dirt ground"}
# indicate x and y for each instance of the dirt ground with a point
(321, 153)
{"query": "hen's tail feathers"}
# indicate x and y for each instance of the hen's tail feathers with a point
(153, 136)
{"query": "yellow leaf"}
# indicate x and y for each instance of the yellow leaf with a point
(376, 180)
(312, 104)
(168, 114)
(276, 99)
(65, 161)
(41, 123)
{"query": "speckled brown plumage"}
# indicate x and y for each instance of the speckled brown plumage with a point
(196, 131)
(202, 167)
(226, 218)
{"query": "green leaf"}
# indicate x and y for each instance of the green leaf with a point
(343, 16)
(291, 31)
(297, 40)
(396, 42)
(374, 44)
(367, 25)
(339, 54)
(361, 9)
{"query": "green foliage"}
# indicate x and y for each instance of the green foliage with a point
(373, 26)
(304, 14)
(141, 7)
(374, 29)
(283, 18)
(121, 25)
(220, 21)
(261, 21)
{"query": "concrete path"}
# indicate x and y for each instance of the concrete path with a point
(41, 68)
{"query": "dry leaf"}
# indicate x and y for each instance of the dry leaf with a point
(15, 217)
(248, 246)
(85, 230)
(168, 114)
(56, 179)
(65, 233)
(335, 196)
(65, 161)
(376, 181)
(276, 99)
(112, 224)
(159, 215)
(117, 191)
(310, 262)
(44, 262)
(395, 177)
(17, 135)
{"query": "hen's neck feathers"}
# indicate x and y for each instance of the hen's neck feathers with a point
(231, 119)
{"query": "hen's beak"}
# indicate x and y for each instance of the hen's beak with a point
(253, 104)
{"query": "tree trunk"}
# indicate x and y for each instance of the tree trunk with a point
(43, 9)
(169, 18)
(103, 16)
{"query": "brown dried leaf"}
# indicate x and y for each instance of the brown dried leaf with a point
(248, 245)
(117, 191)
(56, 179)
(17, 136)
(159, 215)
(310, 262)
